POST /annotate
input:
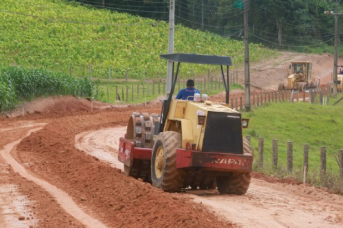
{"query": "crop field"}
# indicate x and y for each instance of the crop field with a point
(18, 84)
(66, 36)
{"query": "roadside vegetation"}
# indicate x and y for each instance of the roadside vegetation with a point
(18, 84)
(301, 123)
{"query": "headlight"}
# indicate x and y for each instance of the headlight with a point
(245, 123)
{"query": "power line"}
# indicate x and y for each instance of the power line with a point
(284, 45)
(212, 26)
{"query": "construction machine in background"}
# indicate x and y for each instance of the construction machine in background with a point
(192, 144)
(299, 77)
(339, 79)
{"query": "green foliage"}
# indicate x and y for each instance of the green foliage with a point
(58, 34)
(301, 123)
(7, 96)
(17, 84)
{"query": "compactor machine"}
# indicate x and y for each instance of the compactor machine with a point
(191, 144)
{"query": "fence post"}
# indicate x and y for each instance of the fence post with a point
(122, 93)
(253, 100)
(70, 70)
(127, 74)
(236, 103)
(341, 165)
(321, 98)
(261, 98)
(164, 88)
(241, 104)
(208, 78)
(148, 89)
(260, 152)
(137, 91)
(276, 97)
(272, 96)
(269, 97)
(298, 96)
(290, 156)
(116, 98)
(143, 92)
(275, 153)
(153, 87)
(329, 93)
(231, 103)
(159, 89)
(127, 94)
(323, 161)
(258, 100)
(132, 91)
(304, 95)
(109, 74)
(306, 147)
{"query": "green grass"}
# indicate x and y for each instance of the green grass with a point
(300, 123)
(59, 35)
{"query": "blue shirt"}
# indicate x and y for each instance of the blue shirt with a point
(184, 93)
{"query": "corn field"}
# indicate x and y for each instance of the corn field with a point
(18, 84)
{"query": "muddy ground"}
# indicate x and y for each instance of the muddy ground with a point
(58, 168)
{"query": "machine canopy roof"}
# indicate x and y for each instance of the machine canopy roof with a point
(198, 59)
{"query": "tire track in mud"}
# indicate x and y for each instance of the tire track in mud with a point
(64, 200)
(264, 205)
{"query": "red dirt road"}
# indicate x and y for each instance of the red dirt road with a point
(58, 168)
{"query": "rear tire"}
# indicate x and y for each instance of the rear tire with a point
(236, 183)
(164, 173)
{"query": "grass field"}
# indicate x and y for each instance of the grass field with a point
(301, 123)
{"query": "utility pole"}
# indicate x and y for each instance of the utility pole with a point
(336, 14)
(335, 60)
(170, 45)
(202, 15)
(246, 59)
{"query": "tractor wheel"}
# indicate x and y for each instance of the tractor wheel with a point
(281, 87)
(164, 173)
(235, 183)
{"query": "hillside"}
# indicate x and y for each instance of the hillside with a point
(60, 35)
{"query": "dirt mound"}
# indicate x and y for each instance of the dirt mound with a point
(57, 104)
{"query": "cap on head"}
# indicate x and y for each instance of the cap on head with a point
(190, 82)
